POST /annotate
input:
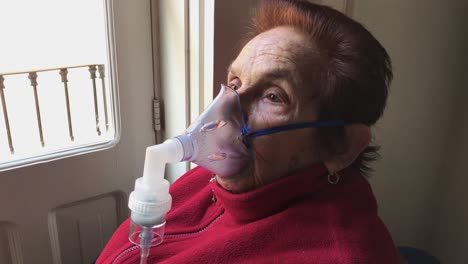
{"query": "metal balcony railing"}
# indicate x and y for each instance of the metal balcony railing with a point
(62, 73)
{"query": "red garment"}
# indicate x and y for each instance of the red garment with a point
(298, 219)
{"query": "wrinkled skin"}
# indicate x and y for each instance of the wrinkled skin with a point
(273, 93)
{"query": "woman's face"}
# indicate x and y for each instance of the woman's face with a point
(273, 93)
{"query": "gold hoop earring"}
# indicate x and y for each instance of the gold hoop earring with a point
(333, 178)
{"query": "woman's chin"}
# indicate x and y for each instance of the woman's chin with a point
(237, 183)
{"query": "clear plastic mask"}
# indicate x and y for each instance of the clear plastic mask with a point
(217, 136)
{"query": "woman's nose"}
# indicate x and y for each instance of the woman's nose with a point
(245, 103)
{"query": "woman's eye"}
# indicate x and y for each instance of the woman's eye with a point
(274, 98)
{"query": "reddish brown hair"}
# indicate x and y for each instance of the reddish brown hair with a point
(351, 70)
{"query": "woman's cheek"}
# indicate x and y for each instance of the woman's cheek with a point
(264, 115)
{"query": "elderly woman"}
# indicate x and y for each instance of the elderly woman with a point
(304, 198)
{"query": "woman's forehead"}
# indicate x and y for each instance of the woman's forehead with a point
(277, 53)
(282, 41)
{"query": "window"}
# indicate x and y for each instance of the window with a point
(57, 86)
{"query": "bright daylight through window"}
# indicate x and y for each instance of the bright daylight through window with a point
(56, 80)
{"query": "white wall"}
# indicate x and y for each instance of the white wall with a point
(419, 180)
(173, 73)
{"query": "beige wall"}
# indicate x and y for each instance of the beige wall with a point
(426, 41)
(419, 180)
(232, 19)
(450, 239)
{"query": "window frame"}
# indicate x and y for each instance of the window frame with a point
(114, 108)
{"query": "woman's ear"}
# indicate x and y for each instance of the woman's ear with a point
(357, 138)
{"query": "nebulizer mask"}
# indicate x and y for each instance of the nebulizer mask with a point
(216, 141)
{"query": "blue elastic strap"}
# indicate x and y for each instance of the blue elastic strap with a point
(245, 130)
(292, 127)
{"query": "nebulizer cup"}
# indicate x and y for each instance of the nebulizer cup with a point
(214, 141)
